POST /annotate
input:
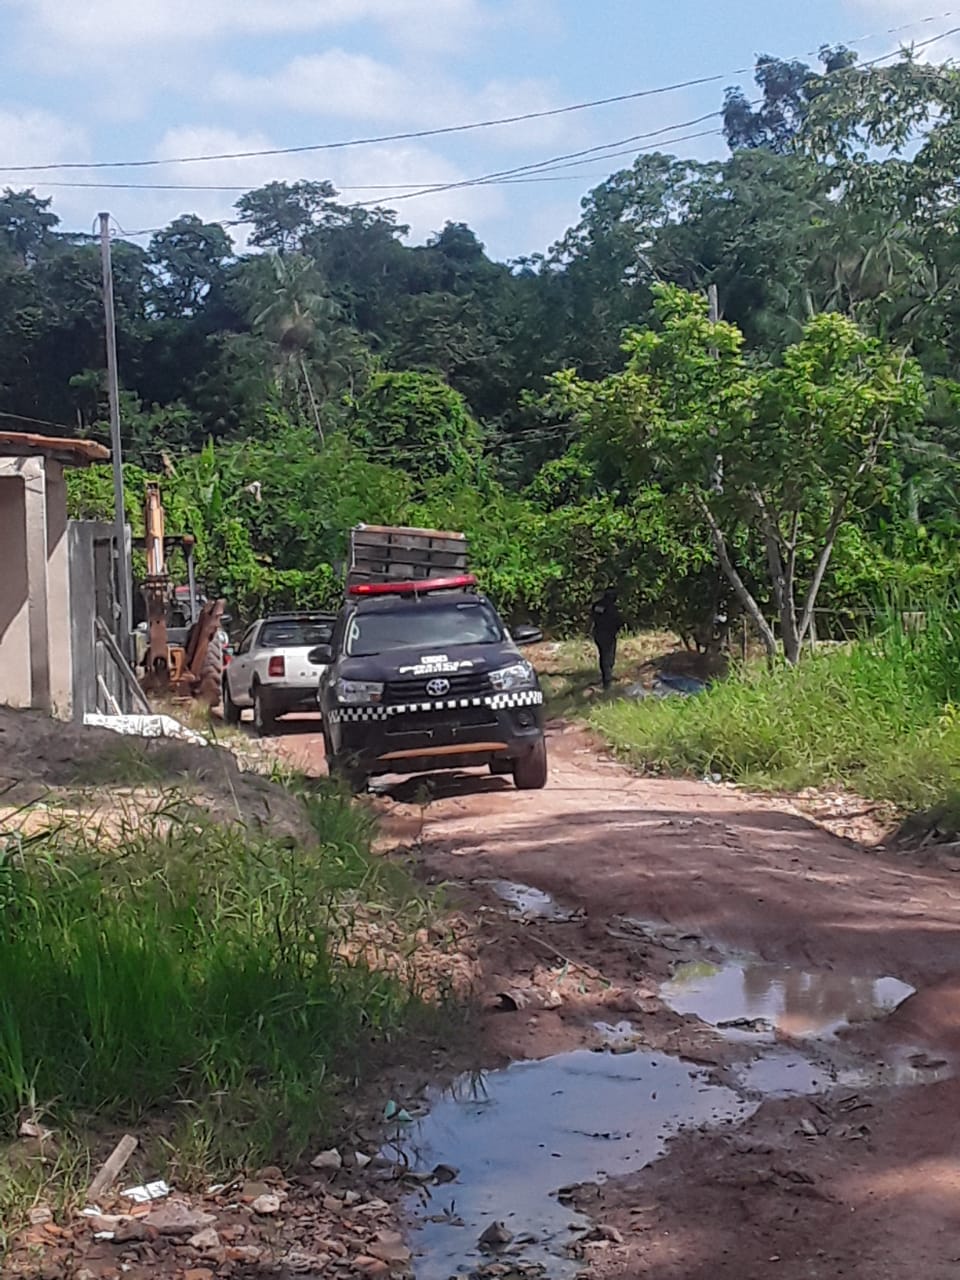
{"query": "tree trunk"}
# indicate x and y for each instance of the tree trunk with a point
(313, 403)
(836, 519)
(782, 572)
(740, 588)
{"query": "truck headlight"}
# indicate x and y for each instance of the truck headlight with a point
(518, 676)
(359, 692)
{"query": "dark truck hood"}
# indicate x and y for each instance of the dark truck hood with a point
(409, 664)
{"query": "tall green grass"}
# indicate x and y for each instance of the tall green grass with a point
(880, 717)
(192, 964)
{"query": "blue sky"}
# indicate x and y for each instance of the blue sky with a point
(86, 80)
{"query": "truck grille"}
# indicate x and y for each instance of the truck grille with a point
(430, 721)
(414, 689)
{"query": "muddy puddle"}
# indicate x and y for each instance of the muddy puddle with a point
(784, 1072)
(520, 1135)
(746, 999)
(517, 1137)
(524, 900)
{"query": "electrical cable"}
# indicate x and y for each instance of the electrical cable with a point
(439, 131)
(520, 173)
(544, 164)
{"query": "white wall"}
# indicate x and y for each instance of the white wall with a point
(15, 683)
(35, 641)
(58, 594)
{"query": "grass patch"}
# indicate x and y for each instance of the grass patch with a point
(55, 1173)
(196, 970)
(880, 717)
(570, 675)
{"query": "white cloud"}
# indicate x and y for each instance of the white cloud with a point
(103, 26)
(29, 136)
(357, 87)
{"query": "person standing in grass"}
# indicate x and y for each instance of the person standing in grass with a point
(606, 627)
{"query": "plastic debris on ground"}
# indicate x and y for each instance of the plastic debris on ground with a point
(149, 1191)
(146, 727)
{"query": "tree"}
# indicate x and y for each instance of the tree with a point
(888, 139)
(289, 307)
(188, 260)
(27, 225)
(752, 227)
(598, 278)
(283, 214)
(802, 443)
(358, 252)
(788, 88)
(417, 423)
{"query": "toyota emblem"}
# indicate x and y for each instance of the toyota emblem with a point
(437, 688)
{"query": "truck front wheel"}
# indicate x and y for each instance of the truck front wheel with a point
(343, 768)
(530, 771)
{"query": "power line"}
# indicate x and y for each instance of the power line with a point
(544, 164)
(541, 170)
(489, 180)
(414, 187)
(37, 422)
(444, 130)
(366, 142)
(533, 171)
(502, 174)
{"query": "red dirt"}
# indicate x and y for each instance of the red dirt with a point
(742, 872)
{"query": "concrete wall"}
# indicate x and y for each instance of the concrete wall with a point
(56, 576)
(15, 684)
(35, 658)
(58, 594)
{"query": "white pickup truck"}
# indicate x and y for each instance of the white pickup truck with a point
(271, 670)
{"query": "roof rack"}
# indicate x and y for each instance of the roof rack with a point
(461, 582)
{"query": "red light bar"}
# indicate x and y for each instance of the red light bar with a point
(412, 588)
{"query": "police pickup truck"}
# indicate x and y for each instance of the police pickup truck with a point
(421, 673)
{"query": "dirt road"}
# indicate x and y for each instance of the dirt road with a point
(746, 906)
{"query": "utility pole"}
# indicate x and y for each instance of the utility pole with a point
(124, 578)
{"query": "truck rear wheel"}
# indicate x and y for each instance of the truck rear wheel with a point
(530, 771)
(231, 712)
(264, 717)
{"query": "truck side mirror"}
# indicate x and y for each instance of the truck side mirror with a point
(321, 656)
(526, 635)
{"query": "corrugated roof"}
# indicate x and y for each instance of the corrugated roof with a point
(75, 453)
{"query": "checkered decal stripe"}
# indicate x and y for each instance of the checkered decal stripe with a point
(496, 701)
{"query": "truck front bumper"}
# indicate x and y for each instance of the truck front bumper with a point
(439, 735)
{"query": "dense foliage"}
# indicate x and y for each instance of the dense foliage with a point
(332, 373)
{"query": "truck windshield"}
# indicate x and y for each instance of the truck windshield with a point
(295, 633)
(431, 629)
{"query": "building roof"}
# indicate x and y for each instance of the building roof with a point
(73, 453)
